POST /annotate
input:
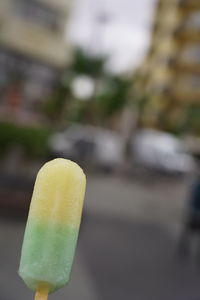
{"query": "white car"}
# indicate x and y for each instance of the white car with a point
(89, 144)
(161, 151)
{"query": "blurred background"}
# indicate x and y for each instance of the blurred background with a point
(115, 86)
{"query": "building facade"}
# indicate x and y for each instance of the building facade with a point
(170, 76)
(33, 49)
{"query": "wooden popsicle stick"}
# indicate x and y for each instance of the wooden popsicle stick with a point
(41, 294)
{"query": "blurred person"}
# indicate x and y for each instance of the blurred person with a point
(191, 231)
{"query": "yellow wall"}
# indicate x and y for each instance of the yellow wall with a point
(31, 39)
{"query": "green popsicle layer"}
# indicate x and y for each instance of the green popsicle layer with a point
(50, 263)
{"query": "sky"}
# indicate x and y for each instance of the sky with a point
(119, 29)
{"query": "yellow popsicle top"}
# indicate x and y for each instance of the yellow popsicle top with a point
(58, 193)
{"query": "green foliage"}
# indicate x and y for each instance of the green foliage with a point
(77, 111)
(32, 140)
(109, 98)
(106, 100)
(55, 104)
(114, 97)
(85, 64)
(192, 123)
(8, 134)
(187, 122)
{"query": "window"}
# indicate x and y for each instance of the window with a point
(38, 13)
(193, 22)
(192, 54)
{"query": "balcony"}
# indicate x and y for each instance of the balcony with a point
(30, 40)
(186, 67)
(189, 5)
(62, 5)
(187, 88)
(184, 34)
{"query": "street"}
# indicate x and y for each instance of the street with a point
(127, 247)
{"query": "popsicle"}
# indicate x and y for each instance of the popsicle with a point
(52, 227)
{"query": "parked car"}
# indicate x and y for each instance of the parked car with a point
(161, 151)
(89, 144)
